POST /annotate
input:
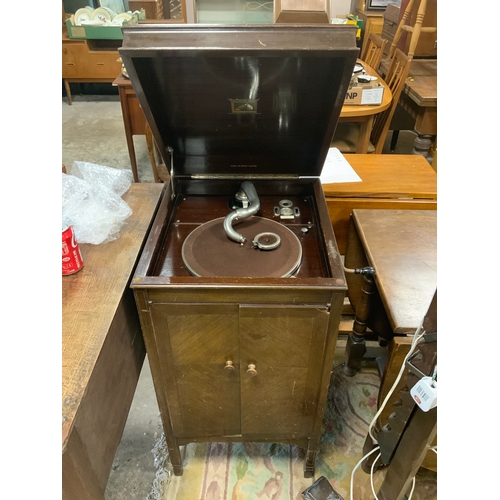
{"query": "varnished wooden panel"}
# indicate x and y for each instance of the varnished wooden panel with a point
(195, 341)
(281, 342)
(102, 349)
(402, 246)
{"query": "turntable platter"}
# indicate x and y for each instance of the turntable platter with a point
(208, 252)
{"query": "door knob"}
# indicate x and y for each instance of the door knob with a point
(229, 367)
(251, 370)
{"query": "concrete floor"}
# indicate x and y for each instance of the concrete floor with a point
(93, 131)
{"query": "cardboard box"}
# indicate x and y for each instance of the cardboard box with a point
(365, 95)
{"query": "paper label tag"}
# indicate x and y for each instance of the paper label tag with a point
(372, 96)
(424, 393)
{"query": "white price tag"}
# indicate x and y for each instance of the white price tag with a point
(424, 393)
(372, 96)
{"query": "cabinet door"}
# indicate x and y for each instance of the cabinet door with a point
(74, 59)
(286, 346)
(195, 342)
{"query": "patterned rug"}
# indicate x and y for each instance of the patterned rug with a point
(263, 471)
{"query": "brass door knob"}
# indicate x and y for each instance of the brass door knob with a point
(251, 370)
(229, 367)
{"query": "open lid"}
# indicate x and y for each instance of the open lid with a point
(241, 100)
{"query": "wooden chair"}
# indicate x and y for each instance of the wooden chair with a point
(413, 31)
(160, 172)
(373, 50)
(346, 135)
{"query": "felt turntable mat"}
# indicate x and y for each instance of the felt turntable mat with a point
(208, 252)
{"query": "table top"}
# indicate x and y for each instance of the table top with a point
(353, 111)
(402, 247)
(387, 176)
(91, 296)
(421, 83)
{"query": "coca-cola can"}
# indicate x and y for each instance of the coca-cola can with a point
(72, 260)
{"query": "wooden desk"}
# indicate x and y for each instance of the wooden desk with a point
(102, 350)
(364, 115)
(402, 182)
(135, 121)
(401, 246)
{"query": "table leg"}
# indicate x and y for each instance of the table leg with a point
(365, 128)
(127, 122)
(422, 145)
(356, 345)
(68, 91)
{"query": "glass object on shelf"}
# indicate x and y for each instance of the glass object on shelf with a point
(234, 12)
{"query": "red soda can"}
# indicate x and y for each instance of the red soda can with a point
(72, 260)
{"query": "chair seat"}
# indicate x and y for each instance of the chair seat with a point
(346, 138)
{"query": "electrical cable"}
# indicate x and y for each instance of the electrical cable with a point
(354, 470)
(417, 336)
(371, 476)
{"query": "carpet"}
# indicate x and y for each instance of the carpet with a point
(273, 471)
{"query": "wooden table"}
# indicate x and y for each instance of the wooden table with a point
(419, 100)
(135, 121)
(402, 182)
(102, 350)
(133, 117)
(401, 246)
(364, 115)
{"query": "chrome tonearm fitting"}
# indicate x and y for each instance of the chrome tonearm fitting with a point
(242, 213)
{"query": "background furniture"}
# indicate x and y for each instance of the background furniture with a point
(88, 61)
(134, 120)
(102, 350)
(391, 19)
(301, 11)
(373, 49)
(347, 135)
(398, 182)
(401, 246)
(417, 107)
(361, 117)
(373, 20)
(416, 21)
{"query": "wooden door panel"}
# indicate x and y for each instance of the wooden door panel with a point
(283, 344)
(197, 341)
(274, 401)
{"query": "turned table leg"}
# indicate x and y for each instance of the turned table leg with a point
(422, 145)
(356, 345)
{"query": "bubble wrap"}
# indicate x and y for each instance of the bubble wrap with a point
(92, 204)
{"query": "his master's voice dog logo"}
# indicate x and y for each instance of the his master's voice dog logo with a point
(246, 106)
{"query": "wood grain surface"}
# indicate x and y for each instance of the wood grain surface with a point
(91, 298)
(402, 246)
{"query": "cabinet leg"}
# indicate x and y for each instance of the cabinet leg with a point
(174, 454)
(68, 92)
(309, 463)
(356, 346)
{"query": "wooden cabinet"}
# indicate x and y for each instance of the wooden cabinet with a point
(391, 18)
(373, 21)
(90, 61)
(240, 369)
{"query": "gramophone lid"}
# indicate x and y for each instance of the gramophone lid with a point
(241, 100)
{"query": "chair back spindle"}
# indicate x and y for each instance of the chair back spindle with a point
(395, 79)
(373, 50)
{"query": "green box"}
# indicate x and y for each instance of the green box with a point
(102, 32)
